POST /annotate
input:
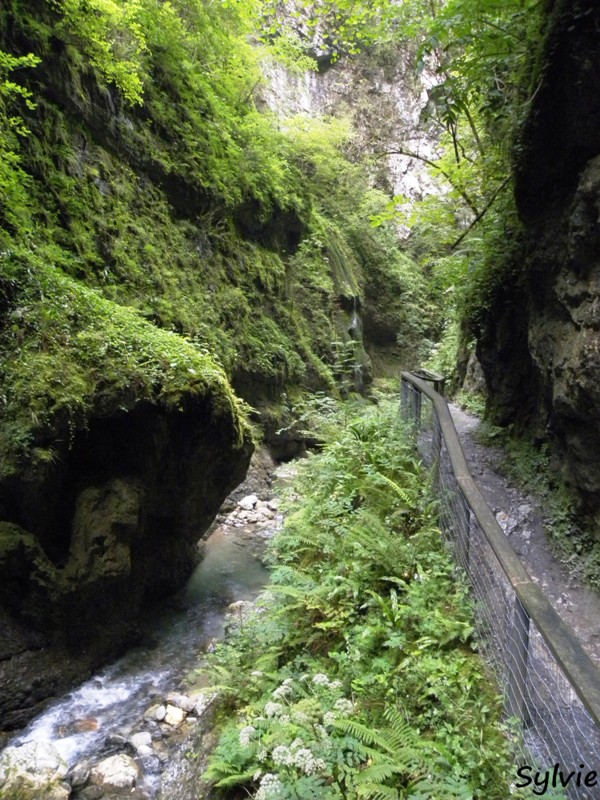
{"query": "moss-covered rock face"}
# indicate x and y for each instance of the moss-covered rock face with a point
(539, 345)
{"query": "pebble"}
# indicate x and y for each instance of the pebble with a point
(160, 713)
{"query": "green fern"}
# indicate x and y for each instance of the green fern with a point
(400, 759)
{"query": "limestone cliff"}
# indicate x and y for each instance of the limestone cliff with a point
(539, 345)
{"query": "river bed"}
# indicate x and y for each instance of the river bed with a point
(99, 717)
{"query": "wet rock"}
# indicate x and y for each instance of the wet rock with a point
(247, 503)
(174, 716)
(116, 740)
(115, 772)
(91, 793)
(122, 507)
(33, 771)
(258, 479)
(150, 713)
(79, 775)
(142, 739)
(181, 701)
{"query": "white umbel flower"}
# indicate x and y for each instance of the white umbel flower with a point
(344, 706)
(246, 735)
(285, 690)
(273, 709)
(270, 787)
(305, 760)
(282, 755)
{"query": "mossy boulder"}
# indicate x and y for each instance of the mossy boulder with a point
(34, 771)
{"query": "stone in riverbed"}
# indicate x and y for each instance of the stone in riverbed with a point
(150, 713)
(91, 793)
(141, 739)
(174, 716)
(116, 740)
(202, 703)
(116, 772)
(248, 502)
(79, 775)
(181, 701)
(32, 771)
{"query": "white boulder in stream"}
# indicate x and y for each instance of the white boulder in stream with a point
(174, 716)
(141, 740)
(33, 771)
(248, 503)
(116, 772)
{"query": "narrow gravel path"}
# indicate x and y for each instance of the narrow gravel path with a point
(520, 516)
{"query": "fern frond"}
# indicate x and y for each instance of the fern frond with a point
(236, 779)
(289, 591)
(406, 496)
(365, 735)
(376, 792)
(381, 772)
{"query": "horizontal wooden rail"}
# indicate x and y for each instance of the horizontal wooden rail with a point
(559, 638)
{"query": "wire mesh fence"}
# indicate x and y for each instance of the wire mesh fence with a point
(551, 689)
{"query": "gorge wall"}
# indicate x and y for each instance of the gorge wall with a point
(163, 244)
(539, 344)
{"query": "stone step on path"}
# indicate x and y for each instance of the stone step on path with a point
(521, 518)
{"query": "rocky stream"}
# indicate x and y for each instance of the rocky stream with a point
(133, 729)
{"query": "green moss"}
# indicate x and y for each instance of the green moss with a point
(65, 347)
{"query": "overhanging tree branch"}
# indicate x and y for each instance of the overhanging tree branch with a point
(409, 154)
(482, 214)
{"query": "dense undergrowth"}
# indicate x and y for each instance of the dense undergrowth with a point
(357, 674)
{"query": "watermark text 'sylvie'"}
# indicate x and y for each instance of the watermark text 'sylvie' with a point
(559, 777)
